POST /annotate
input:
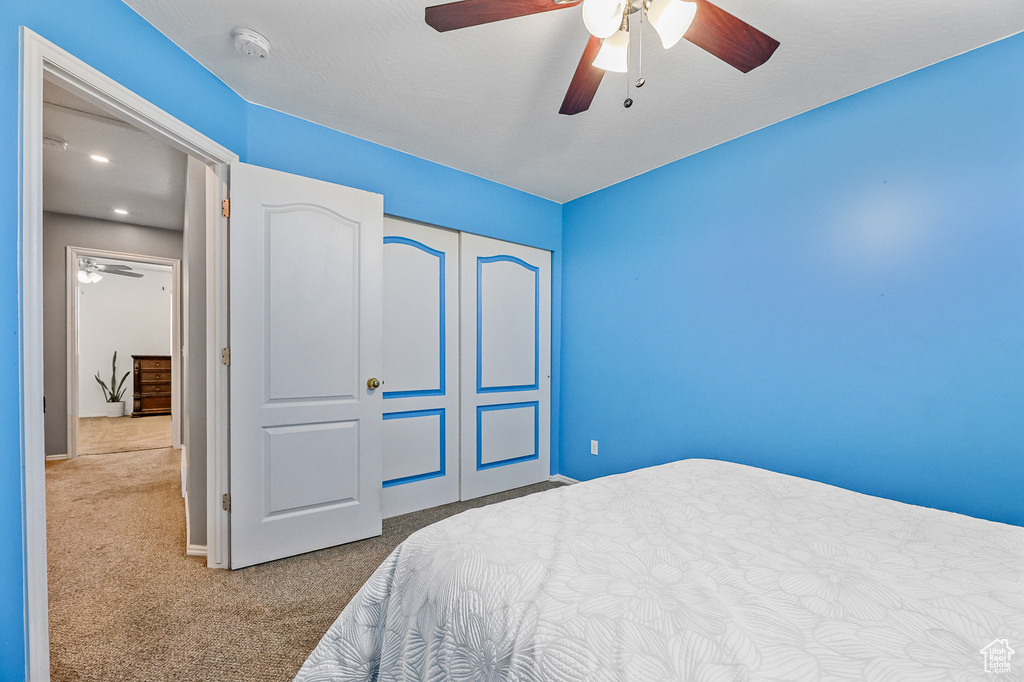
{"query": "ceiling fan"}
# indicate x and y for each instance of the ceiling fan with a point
(707, 26)
(89, 270)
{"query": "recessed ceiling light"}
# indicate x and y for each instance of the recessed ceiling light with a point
(101, 159)
(120, 211)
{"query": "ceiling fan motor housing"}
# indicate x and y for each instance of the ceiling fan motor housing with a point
(700, 22)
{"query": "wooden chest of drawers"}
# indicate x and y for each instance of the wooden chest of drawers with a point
(152, 385)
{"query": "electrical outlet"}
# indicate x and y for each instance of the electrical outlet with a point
(593, 447)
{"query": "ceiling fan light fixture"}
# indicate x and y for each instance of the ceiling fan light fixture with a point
(671, 18)
(614, 53)
(603, 17)
(89, 277)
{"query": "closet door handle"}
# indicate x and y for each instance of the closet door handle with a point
(372, 383)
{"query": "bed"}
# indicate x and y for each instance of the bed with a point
(697, 570)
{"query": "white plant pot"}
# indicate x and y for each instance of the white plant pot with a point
(115, 409)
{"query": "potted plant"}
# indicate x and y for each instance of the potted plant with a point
(115, 393)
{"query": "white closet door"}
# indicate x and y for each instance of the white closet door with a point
(305, 324)
(421, 367)
(506, 365)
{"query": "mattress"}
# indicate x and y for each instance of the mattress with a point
(696, 570)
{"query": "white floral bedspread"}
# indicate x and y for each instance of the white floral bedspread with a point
(698, 570)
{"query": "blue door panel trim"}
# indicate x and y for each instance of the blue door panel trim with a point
(480, 388)
(439, 412)
(390, 395)
(480, 409)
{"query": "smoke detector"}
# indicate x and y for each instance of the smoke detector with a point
(251, 43)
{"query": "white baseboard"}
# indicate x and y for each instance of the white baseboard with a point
(559, 478)
(195, 550)
(50, 458)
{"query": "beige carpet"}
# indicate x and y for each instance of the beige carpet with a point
(127, 604)
(99, 435)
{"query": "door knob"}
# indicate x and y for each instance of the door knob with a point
(372, 383)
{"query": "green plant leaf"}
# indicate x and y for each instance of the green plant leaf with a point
(115, 393)
(106, 391)
(119, 393)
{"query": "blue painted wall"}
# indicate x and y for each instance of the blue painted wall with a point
(110, 37)
(839, 296)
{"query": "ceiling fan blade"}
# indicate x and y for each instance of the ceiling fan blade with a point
(110, 267)
(584, 82)
(466, 13)
(123, 273)
(730, 39)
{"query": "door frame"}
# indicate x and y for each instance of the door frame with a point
(38, 57)
(72, 255)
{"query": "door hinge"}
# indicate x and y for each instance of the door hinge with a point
(225, 208)
(225, 356)
(225, 502)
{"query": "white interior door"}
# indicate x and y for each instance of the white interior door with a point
(506, 365)
(421, 367)
(305, 326)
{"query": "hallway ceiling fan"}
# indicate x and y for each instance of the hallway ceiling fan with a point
(732, 40)
(89, 270)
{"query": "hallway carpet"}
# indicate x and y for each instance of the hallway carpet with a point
(127, 604)
(99, 435)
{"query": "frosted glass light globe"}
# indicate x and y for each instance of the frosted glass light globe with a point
(614, 52)
(671, 18)
(603, 17)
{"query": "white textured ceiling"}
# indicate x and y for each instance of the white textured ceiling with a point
(485, 99)
(144, 176)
